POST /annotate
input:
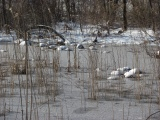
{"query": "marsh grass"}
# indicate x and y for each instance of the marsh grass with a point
(3, 72)
(18, 68)
(45, 75)
(36, 74)
(93, 63)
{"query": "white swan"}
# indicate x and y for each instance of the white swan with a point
(103, 46)
(92, 47)
(42, 44)
(67, 42)
(113, 78)
(123, 69)
(62, 47)
(68, 49)
(98, 71)
(120, 71)
(60, 42)
(73, 44)
(23, 43)
(116, 73)
(132, 73)
(18, 41)
(80, 46)
(52, 46)
(50, 42)
(3, 50)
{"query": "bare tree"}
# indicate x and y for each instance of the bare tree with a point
(153, 21)
(67, 3)
(125, 24)
(4, 11)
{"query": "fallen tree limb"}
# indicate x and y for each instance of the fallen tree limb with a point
(152, 114)
(48, 28)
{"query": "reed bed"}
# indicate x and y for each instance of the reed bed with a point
(45, 82)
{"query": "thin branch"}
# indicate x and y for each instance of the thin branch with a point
(49, 28)
(152, 114)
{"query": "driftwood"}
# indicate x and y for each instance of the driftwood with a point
(48, 28)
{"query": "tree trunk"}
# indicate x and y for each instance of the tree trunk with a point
(125, 24)
(67, 3)
(5, 23)
(152, 17)
(4, 11)
(73, 11)
(112, 11)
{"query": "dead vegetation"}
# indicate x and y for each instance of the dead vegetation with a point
(38, 82)
(17, 68)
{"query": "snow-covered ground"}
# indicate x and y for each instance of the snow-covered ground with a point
(89, 32)
(131, 36)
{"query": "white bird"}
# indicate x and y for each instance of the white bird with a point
(120, 71)
(3, 50)
(68, 49)
(95, 40)
(158, 52)
(50, 42)
(104, 52)
(52, 46)
(113, 77)
(18, 41)
(62, 47)
(23, 43)
(67, 43)
(123, 69)
(103, 46)
(116, 73)
(80, 46)
(98, 71)
(92, 47)
(42, 45)
(39, 40)
(87, 42)
(132, 73)
(60, 42)
(73, 44)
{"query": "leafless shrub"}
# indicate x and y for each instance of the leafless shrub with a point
(3, 72)
(17, 68)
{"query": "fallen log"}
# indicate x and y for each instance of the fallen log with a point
(48, 28)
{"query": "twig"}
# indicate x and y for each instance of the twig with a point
(152, 114)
